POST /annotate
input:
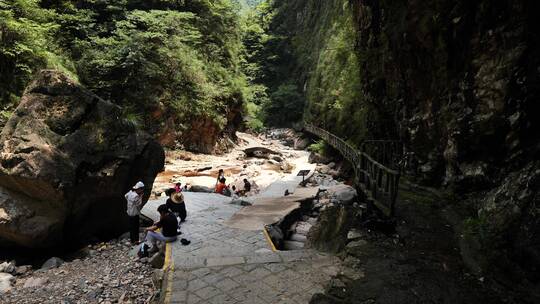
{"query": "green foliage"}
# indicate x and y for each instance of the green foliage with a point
(284, 105)
(26, 31)
(304, 53)
(177, 57)
(268, 66)
(321, 147)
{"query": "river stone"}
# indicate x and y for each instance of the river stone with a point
(344, 194)
(298, 238)
(303, 228)
(241, 202)
(157, 260)
(53, 262)
(66, 160)
(330, 232)
(5, 282)
(293, 245)
(301, 143)
(35, 282)
(203, 189)
(24, 269)
(7, 267)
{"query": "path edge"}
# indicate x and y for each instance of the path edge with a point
(168, 275)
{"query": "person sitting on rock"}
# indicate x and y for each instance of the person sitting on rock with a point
(168, 225)
(220, 187)
(176, 205)
(221, 174)
(134, 205)
(247, 186)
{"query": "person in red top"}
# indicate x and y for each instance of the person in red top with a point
(221, 186)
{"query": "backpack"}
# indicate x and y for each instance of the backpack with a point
(143, 251)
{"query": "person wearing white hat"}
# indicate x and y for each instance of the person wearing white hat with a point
(134, 205)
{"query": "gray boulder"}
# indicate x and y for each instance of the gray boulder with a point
(293, 245)
(157, 260)
(344, 194)
(316, 158)
(5, 282)
(53, 262)
(66, 160)
(329, 234)
(301, 143)
(35, 282)
(8, 267)
(203, 189)
(241, 202)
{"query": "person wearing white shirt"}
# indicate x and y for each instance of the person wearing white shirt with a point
(134, 205)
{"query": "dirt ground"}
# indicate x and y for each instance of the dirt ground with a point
(419, 262)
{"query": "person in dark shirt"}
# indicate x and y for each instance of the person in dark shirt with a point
(247, 185)
(220, 175)
(176, 205)
(168, 225)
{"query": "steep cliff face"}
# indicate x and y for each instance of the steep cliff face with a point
(66, 158)
(458, 82)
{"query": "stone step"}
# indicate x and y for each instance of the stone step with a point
(298, 238)
(192, 262)
(293, 245)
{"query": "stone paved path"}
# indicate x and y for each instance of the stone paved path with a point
(227, 265)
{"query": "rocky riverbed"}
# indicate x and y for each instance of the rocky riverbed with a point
(100, 273)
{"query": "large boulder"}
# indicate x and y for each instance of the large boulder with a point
(66, 159)
(506, 233)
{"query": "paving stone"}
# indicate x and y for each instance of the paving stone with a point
(224, 261)
(259, 273)
(189, 262)
(213, 278)
(275, 267)
(291, 256)
(179, 285)
(264, 258)
(231, 271)
(249, 267)
(272, 280)
(244, 279)
(240, 294)
(225, 265)
(207, 292)
(222, 299)
(179, 297)
(289, 275)
(193, 299)
(201, 272)
(227, 284)
(196, 284)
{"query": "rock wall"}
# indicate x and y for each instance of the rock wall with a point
(457, 81)
(66, 160)
(197, 133)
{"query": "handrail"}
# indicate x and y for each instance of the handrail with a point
(376, 179)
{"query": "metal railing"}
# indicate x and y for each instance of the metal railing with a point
(376, 174)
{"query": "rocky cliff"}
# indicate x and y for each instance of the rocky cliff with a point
(66, 160)
(458, 83)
